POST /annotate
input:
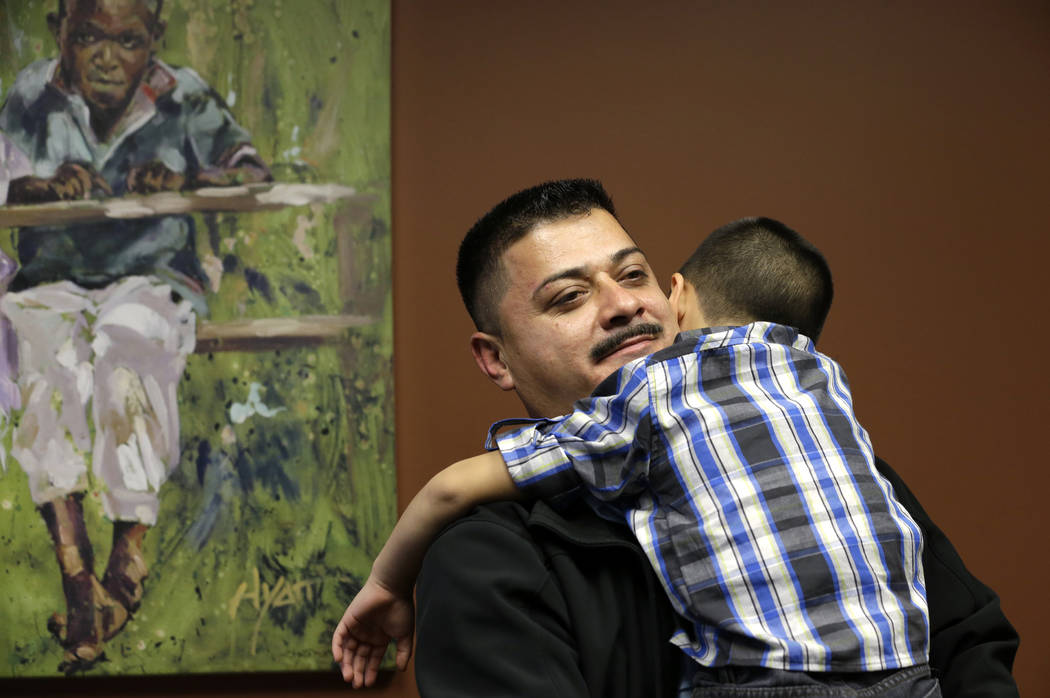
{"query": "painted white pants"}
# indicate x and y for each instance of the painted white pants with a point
(99, 371)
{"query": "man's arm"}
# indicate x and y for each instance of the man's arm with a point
(972, 644)
(382, 610)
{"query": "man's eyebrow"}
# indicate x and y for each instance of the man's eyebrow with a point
(580, 272)
(624, 253)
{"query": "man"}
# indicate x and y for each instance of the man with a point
(105, 313)
(527, 600)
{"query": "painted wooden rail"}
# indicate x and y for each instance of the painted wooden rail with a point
(261, 334)
(245, 198)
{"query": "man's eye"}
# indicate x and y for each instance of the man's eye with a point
(568, 298)
(635, 275)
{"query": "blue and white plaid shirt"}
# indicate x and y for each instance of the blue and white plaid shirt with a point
(735, 457)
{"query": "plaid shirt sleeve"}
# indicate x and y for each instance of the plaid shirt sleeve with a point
(603, 445)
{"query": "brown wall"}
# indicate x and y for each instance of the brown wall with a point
(910, 143)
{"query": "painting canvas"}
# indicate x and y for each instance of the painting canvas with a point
(196, 420)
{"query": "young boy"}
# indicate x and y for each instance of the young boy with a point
(735, 457)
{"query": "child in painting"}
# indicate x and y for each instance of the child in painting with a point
(105, 313)
(736, 458)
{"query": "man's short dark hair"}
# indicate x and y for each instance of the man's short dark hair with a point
(758, 269)
(479, 270)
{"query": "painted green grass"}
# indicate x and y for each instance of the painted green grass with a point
(268, 526)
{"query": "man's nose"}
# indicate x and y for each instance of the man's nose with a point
(619, 305)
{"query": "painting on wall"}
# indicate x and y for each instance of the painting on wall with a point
(196, 418)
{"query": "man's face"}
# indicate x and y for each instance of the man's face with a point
(105, 47)
(580, 302)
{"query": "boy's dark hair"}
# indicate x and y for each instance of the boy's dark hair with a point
(155, 6)
(479, 268)
(758, 269)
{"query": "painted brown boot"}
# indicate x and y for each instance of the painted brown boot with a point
(126, 567)
(83, 632)
(110, 614)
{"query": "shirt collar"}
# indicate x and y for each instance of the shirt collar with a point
(704, 339)
(765, 332)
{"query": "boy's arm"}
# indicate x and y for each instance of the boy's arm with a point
(383, 609)
(600, 450)
(449, 495)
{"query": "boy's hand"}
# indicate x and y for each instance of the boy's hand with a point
(71, 181)
(373, 618)
(154, 176)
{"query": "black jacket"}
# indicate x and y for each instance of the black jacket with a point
(522, 601)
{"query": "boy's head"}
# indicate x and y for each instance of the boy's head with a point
(754, 269)
(105, 47)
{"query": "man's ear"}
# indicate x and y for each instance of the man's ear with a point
(488, 355)
(158, 29)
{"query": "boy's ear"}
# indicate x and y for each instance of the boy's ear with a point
(685, 303)
(488, 355)
(54, 24)
(679, 298)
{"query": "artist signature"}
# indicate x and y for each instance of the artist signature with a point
(263, 598)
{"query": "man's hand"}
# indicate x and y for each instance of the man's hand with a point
(373, 618)
(153, 177)
(71, 181)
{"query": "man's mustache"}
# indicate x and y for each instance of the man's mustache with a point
(609, 344)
